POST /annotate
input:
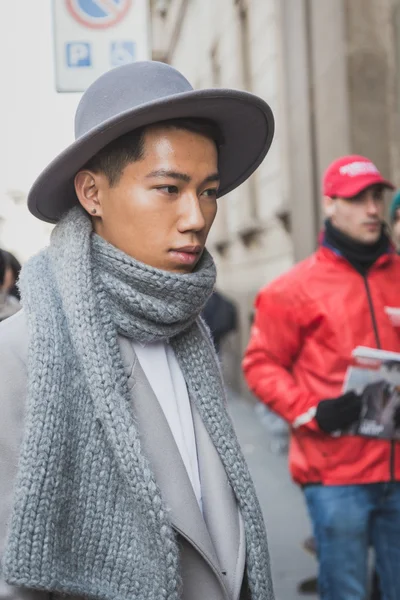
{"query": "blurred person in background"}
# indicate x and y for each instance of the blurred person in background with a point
(9, 304)
(131, 483)
(12, 274)
(307, 324)
(2, 267)
(220, 314)
(394, 215)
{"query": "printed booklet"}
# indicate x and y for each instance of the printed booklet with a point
(376, 377)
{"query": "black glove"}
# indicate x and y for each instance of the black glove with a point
(338, 413)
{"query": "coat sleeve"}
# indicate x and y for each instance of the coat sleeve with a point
(12, 405)
(275, 342)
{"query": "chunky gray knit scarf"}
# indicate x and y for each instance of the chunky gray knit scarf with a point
(89, 518)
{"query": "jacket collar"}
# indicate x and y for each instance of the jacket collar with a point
(331, 253)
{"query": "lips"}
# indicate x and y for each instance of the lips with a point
(187, 255)
(188, 249)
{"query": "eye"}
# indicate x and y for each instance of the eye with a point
(210, 193)
(168, 189)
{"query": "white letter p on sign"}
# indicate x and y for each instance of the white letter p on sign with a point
(78, 54)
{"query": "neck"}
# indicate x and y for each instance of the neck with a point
(359, 254)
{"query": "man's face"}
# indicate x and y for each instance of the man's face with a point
(162, 208)
(396, 228)
(359, 217)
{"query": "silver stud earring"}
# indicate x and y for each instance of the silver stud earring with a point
(93, 211)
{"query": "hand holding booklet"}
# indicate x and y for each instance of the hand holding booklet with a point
(375, 376)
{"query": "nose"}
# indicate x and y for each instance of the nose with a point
(191, 216)
(372, 206)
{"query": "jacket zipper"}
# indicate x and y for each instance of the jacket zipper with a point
(379, 346)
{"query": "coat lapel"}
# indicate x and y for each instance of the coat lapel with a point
(162, 452)
(220, 510)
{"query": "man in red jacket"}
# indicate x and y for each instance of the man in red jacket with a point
(307, 323)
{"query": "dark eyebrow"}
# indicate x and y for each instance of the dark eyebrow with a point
(180, 176)
(210, 178)
(171, 174)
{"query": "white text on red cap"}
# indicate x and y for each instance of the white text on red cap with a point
(358, 168)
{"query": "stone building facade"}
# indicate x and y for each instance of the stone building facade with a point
(329, 70)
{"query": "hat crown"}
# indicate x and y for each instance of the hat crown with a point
(124, 88)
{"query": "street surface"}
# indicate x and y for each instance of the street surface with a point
(282, 502)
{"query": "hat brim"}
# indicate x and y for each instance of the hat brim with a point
(351, 189)
(246, 123)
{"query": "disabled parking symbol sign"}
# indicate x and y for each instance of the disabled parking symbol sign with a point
(122, 52)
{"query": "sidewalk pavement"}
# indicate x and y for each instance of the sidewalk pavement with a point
(281, 501)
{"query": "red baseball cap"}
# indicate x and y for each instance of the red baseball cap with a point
(348, 176)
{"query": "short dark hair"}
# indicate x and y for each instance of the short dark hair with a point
(3, 266)
(13, 263)
(113, 158)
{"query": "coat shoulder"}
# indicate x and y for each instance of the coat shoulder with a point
(14, 339)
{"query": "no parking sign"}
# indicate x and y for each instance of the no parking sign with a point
(99, 14)
(92, 36)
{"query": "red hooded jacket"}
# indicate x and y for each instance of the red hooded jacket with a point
(307, 323)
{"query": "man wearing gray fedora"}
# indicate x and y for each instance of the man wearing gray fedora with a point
(126, 481)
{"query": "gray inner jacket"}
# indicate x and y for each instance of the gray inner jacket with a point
(212, 547)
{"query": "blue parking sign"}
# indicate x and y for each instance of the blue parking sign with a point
(122, 52)
(78, 54)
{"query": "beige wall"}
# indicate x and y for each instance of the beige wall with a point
(368, 73)
(248, 241)
(329, 69)
(300, 118)
(330, 79)
(393, 52)
(341, 63)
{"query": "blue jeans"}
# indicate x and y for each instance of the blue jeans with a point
(347, 520)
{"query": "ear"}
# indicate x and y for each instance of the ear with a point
(87, 188)
(329, 206)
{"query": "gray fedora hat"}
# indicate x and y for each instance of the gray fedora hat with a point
(143, 93)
